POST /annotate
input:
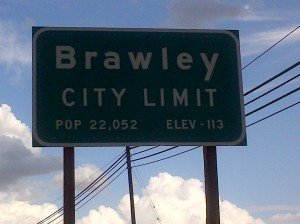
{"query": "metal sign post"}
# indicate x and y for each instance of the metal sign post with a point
(69, 186)
(211, 185)
(132, 209)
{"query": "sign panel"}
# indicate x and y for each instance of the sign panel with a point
(97, 87)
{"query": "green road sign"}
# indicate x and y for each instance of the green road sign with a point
(97, 87)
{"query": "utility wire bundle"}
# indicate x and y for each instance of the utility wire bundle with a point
(271, 90)
(93, 189)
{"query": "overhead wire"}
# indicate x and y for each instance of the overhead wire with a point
(271, 90)
(100, 184)
(51, 215)
(52, 202)
(114, 165)
(154, 154)
(273, 101)
(273, 114)
(92, 192)
(168, 157)
(55, 219)
(273, 78)
(145, 150)
(271, 47)
(143, 186)
(106, 165)
(98, 179)
(98, 192)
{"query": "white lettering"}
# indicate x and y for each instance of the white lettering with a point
(118, 95)
(139, 60)
(164, 52)
(169, 124)
(210, 65)
(59, 123)
(181, 124)
(181, 99)
(63, 54)
(184, 60)
(146, 100)
(198, 94)
(99, 91)
(112, 60)
(84, 93)
(211, 96)
(64, 97)
(162, 97)
(88, 58)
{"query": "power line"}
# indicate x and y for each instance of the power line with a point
(98, 179)
(116, 163)
(271, 90)
(133, 154)
(168, 157)
(44, 207)
(270, 47)
(138, 176)
(107, 164)
(273, 101)
(56, 219)
(76, 186)
(98, 192)
(101, 184)
(271, 79)
(154, 154)
(61, 209)
(59, 221)
(271, 115)
(51, 215)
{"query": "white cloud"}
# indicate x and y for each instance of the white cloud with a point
(254, 43)
(251, 15)
(177, 201)
(231, 214)
(15, 49)
(276, 208)
(194, 13)
(30, 191)
(84, 175)
(17, 158)
(104, 215)
(17, 162)
(12, 127)
(287, 218)
(15, 212)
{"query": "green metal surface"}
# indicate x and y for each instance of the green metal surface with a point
(168, 100)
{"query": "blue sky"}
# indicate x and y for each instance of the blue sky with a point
(258, 183)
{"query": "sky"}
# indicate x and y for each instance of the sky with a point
(258, 183)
